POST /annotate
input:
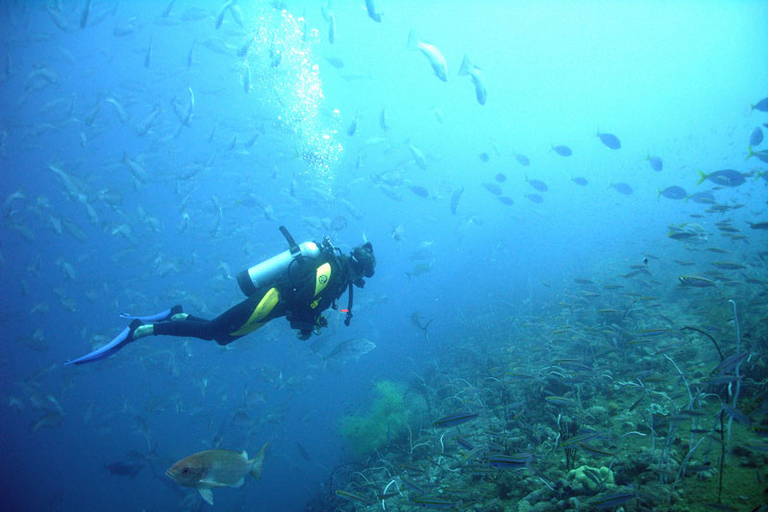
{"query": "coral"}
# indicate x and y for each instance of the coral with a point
(599, 413)
(384, 423)
(591, 480)
(658, 409)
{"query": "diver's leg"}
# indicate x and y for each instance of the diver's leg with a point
(237, 321)
(232, 320)
(179, 325)
(234, 323)
(184, 325)
(159, 317)
(247, 316)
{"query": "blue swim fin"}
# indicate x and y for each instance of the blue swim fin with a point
(122, 339)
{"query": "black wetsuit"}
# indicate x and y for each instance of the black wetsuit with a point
(295, 296)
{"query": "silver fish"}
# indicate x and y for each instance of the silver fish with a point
(148, 56)
(222, 12)
(85, 13)
(349, 349)
(431, 52)
(331, 28)
(478, 79)
(374, 10)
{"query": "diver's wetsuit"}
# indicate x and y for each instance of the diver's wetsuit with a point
(310, 287)
(309, 284)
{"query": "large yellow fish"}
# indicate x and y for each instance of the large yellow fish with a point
(216, 468)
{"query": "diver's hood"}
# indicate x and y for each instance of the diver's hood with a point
(363, 261)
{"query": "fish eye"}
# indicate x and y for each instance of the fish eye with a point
(185, 471)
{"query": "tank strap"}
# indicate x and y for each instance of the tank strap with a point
(292, 245)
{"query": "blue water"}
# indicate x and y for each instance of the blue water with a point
(265, 144)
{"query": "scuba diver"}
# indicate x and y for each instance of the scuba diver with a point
(298, 284)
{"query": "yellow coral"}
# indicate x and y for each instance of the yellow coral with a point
(385, 422)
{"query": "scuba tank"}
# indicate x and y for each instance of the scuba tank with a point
(267, 272)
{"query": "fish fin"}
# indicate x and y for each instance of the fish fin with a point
(244, 454)
(702, 177)
(207, 494)
(257, 463)
(412, 39)
(239, 483)
(466, 66)
(211, 484)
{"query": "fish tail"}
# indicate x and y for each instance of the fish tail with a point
(257, 463)
(702, 177)
(751, 153)
(658, 195)
(466, 66)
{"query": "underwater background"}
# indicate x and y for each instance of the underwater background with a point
(570, 307)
